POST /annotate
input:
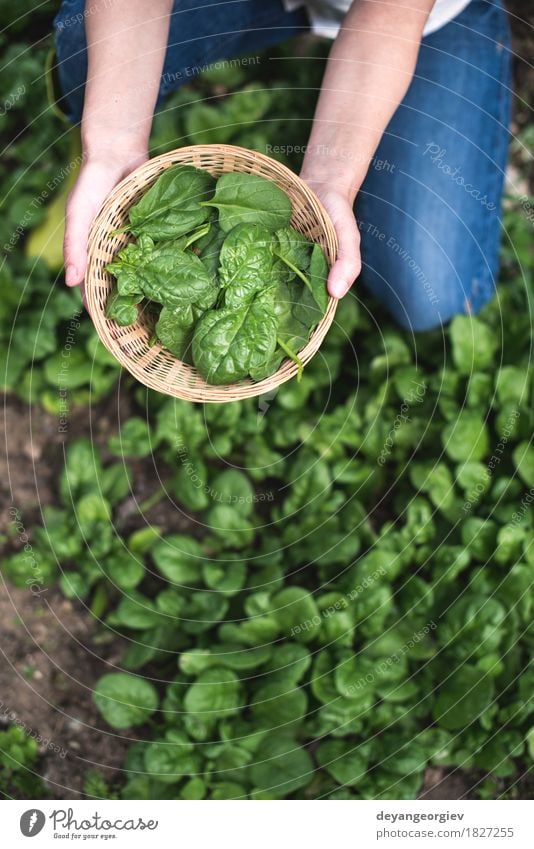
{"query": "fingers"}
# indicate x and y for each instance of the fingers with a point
(348, 263)
(83, 204)
(78, 221)
(92, 187)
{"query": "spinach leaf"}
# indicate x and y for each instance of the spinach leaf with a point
(306, 309)
(172, 206)
(125, 700)
(281, 766)
(214, 694)
(173, 333)
(178, 278)
(293, 246)
(464, 696)
(291, 335)
(122, 308)
(169, 760)
(245, 263)
(165, 274)
(228, 342)
(318, 274)
(300, 256)
(208, 248)
(250, 199)
(127, 267)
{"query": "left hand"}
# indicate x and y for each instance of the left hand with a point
(340, 209)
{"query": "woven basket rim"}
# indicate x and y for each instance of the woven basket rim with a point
(126, 343)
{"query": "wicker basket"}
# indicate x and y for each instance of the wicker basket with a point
(154, 366)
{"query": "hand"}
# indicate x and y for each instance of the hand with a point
(340, 209)
(98, 176)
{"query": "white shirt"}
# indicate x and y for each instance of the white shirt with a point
(326, 16)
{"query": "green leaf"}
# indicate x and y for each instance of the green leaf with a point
(296, 613)
(225, 577)
(473, 344)
(222, 122)
(172, 206)
(170, 759)
(466, 438)
(134, 439)
(116, 482)
(245, 263)
(170, 332)
(195, 788)
(294, 248)
(512, 385)
(215, 694)
(436, 480)
(233, 487)
(90, 509)
(229, 342)
(250, 199)
(122, 308)
(231, 655)
(281, 767)
(125, 700)
(166, 274)
(178, 279)
(70, 370)
(135, 611)
(274, 707)
(463, 698)
(344, 761)
(523, 457)
(124, 570)
(318, 272)
(179, 558)
(230, 526)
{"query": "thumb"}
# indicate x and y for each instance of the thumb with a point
(79, 215)
(90, 191)
(348, 263)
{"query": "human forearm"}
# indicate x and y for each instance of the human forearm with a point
(369, 70)
(126, 42)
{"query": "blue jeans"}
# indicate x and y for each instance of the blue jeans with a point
(429, 208)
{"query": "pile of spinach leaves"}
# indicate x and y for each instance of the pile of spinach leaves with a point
(235, 287)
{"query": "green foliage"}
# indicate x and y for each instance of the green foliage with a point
(250, 199)
(125, 700)
(233, 314)
(231, 342)
(173, 206)
(352, 601)
(18, 764)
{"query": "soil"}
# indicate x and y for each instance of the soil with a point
(52, 649)
(48, 663)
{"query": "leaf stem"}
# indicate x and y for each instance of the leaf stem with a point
(151, 501)
(292, 356)
(197, 234)
(119, 230)
(295, 270)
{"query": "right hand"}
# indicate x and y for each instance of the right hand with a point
(98, 176)
(339, 204)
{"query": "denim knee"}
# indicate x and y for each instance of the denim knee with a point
(421, 281)
(71, 54)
